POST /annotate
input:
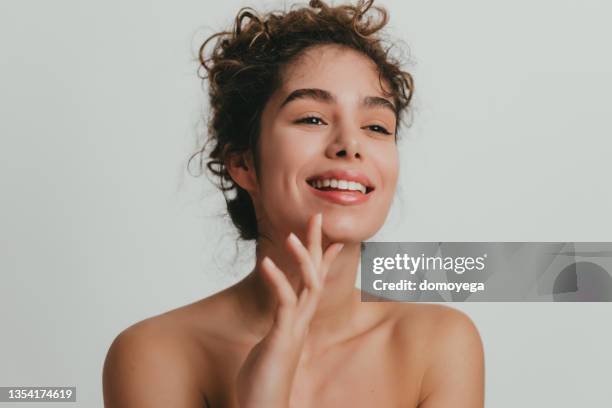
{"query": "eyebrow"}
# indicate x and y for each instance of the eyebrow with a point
(324, 96)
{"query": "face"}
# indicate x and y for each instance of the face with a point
(327, 145)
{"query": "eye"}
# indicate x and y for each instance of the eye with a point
(315, 120)
(380, 129)
(311, 120)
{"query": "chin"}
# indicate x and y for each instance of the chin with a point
(347, 229)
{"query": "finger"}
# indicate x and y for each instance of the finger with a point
(331, 253)
(279, 283)
(308, 301)
(307, 305)
(303, 298)
(304, 261)
(314, 237)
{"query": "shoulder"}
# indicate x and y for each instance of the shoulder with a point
(450, 350)
(432, 322)
(151, 363)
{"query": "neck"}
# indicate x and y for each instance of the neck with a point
(336, 306)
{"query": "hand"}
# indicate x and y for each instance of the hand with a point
(266, 376)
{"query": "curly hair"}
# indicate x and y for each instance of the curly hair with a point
(244, 69)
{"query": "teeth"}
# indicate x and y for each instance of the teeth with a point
(339, 184)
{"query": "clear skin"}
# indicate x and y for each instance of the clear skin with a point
(294, 332)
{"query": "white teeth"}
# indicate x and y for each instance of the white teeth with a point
(339, 184)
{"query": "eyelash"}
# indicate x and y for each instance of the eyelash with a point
(307, 118)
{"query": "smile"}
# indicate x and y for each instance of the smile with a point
(341, 187)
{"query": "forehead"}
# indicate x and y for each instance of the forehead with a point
(332, 67)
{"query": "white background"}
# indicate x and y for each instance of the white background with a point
(101, 226)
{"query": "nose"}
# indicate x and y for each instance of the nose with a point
(345, 145)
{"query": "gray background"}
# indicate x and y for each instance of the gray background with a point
(100, 226)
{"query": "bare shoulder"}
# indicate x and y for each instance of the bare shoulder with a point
(434, 321)
(431, 324)
(157, 362)
(450, 353)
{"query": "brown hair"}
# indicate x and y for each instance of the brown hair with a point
(244, 68)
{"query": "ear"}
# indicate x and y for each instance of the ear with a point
(241, 167)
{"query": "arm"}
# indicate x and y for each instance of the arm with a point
(145, 368)
(455, 376)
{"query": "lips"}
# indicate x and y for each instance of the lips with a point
(343, 175)
(341, 186)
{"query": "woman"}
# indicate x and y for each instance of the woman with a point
(306, 107)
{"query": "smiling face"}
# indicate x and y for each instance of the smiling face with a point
(327, 144)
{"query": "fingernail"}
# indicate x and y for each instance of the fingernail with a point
(268, 261)
(320, 218)
(293, 238)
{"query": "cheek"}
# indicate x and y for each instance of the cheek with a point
(387, 163)
(285, 145)
(388, 168)
(392, 171)
(283, 155)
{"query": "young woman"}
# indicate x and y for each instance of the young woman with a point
(306, 107)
